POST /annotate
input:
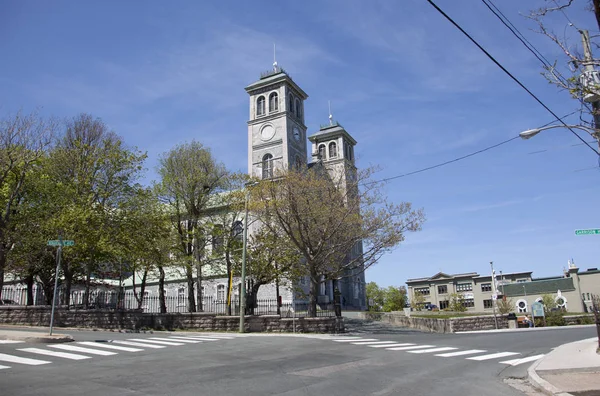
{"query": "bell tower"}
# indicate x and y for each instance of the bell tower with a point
(276, 130)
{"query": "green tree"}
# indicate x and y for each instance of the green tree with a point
(189, 176)
(548, 302)
(375, 297)
(456, 302)
(326, 219)
(505, 306)
(395, 298)
(417, 300)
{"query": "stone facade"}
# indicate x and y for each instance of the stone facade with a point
(136, 320)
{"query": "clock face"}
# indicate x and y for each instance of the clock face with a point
(267, 132)
(296, 134)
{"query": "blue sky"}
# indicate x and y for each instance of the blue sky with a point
(405, 83)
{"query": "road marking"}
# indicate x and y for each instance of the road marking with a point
(65, 355)
(430, 350)
(84, 350)
(222, 337)
(461, 353)
(16, 359)
(405, 348)
(10, 342)
(390, 345)
(171, 340)
(4, 367)
(516, 362)
(359, 339)
(493, 356)
(137, 344)
(372, 342)
(155, 341)
(203, 338)
(345, 338)
(108, 346)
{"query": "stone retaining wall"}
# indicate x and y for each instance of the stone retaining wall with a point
(135, 320)
(436, 325)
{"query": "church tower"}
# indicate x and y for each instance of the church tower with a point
(276, 130)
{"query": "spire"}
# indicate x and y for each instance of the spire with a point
(274, 58)
(330, 116)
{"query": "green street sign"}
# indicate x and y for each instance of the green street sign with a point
(592, 231)
(56, 242)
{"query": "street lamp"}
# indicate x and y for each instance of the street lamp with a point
(245, 241)
(532, 132)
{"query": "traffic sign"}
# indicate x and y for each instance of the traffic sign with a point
(592, 231)
(56, 242)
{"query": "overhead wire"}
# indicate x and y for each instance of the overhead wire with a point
(510, 74)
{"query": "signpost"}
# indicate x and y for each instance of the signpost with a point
(591, 231)
(60, 243)
(537, 310)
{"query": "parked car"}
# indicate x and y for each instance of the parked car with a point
(6, 301)
(431, 307)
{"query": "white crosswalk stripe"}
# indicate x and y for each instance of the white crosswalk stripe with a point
(346, 338)
(203, 339)
(64, 355)
(138, 344)
(390, 345)
(462, 353)
(372, 342)
(187, 341)
(156, 341)
(406, 348)
(432, 350)
(493, 356)
(516, 362)
(10, 342)
(359, 339)
(109, 346)
(21, 360)
(75, 348)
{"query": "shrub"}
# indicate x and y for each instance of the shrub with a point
(555, 318)
(585, 320)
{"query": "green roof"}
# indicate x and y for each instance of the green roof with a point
(544, 286)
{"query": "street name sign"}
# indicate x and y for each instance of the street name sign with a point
(538, 309)
(56, 242)
(592, 231)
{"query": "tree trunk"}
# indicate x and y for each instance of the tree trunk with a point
(228, 287)
(1, 279)
(190, 284)
(312, 296)
(68, 282)
(142, 290)
(2, 267)
(86, 294)
(29, 282)
(161, 290)
(199, 296)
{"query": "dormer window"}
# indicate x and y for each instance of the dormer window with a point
(298, 109)
(322, 151)
(290, 103)
(260, 106)
(332, 150)
(273, 102)
(267, 166)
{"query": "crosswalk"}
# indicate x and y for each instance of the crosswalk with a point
(478, 355)
(83, 350)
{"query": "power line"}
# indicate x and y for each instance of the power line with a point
(509, 74)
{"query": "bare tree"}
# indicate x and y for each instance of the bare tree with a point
(24, 140)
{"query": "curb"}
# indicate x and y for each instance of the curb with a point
(530, 329)
(542, 384)
(43, 339)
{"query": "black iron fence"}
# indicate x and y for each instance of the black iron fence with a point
(127, 300)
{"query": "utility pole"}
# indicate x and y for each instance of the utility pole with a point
(590, 83)
(494, 293)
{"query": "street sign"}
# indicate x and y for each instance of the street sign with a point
(538, 309)
(592, 231)
(494, 296)
(56, 242)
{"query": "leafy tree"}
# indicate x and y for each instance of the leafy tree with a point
(24, 141)
(326, 219)
(456, 303)
(395, 298)
(189, 175)
(417, 300)
(505, 306)
(375, 297)
(548, 302)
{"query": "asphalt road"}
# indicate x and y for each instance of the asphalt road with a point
(234, 364)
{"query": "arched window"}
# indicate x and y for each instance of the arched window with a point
(290, 103)
(298, 109)
(322, 151)
(220, 292)
(332, 150)
(561, 301)
(298, 162)
(522, 306)
(356, 287)
(267, 166)
(273, 102)
(260, 106)
(322, 286)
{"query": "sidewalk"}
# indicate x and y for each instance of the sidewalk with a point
(570, 369)
(33, 336)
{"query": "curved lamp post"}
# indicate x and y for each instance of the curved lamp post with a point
(532, 132)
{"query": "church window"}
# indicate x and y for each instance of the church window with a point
(260, 106)
(273, 102)
(322, 151)
(332, 150)
(291, 103)
(298, 109)
(267, 166)
(220, 292)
